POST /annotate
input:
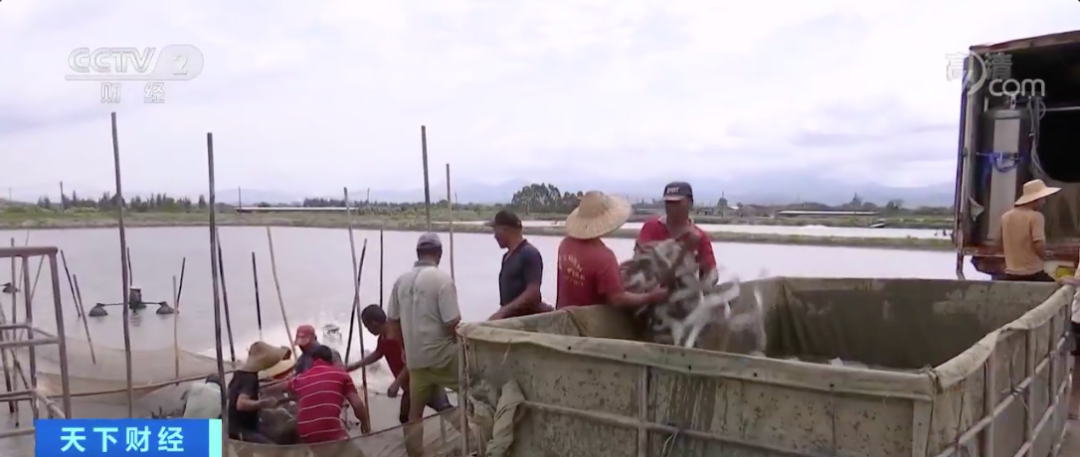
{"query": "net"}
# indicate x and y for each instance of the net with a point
(99, 390)
(104, 369)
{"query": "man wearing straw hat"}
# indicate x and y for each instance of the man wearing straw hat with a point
(244, 402)
(423, 314)
(1023, 234)
(588, 272)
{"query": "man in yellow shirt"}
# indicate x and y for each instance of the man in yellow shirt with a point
(1023, 234)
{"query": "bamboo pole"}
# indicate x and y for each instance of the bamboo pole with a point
(124, 270)
(356, 288)
(450, 210)
(381, 251)
(258, 304)
(277, 287)
(356, 310)
(16, 283)
(76, 298)
(355, 313)
(82, 306)
(14, 291)
(427, 185)
(216, 285)
(3, 336)
(131, 271)
(177, 295)
(225, 300)
(175, 331)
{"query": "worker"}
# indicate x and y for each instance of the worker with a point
(321, 392)
(244, 401)
(521, 271)
(308, 342)
(677, 224)
(423, 315)
(588, 272)
(374, 320)
(1023, 234)
(202, 400)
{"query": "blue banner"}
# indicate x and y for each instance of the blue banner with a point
(142, 437)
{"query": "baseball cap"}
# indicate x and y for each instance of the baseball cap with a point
(305, 332)
(506, 219)
(428, 241)
(677, 191)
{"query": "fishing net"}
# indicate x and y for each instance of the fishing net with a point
(103, 369)
(98, 384)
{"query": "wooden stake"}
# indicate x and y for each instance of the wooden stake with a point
(277, 287)
(179, 294)
(382, 250)
(175, 331)
(215, 279)
(225, 301)
(4, 336)
(124, 270)
(78, 306)
(355, 313)
(258, 304)
(427, 185)
(450, 210)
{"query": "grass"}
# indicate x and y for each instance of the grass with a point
(412, 222)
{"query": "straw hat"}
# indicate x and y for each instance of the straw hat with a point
(279, 370)
(597, 214)
(262, 356)
(1034, 190)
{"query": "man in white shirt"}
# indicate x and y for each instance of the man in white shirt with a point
(422, 314)
(203, 399)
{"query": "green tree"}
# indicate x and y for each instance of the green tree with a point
(544, 198)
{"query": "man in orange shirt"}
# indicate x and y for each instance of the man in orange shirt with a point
(1023, 234)
(588, 272)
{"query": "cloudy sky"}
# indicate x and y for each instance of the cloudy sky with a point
(315, 95)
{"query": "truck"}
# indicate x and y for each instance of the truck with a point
(1019, 111)
(929, 368)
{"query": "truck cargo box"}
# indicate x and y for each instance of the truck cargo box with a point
(960, 368)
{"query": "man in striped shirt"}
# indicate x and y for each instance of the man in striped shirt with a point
(322, 391)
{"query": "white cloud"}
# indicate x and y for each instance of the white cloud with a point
(310, 96)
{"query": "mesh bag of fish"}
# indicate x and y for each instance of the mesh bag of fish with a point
(702, 311)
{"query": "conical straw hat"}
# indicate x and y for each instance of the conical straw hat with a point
(597, 214)
(1034, 190)
(262, 356)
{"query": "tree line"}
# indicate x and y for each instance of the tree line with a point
(107, 201)
(540, 198)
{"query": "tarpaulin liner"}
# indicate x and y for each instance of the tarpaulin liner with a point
(591, 390)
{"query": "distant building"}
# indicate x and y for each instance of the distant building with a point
(797, 213)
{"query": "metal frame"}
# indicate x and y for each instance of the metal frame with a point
(35, 337)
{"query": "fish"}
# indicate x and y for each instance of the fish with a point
(696, 302)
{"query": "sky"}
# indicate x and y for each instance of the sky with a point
(308, 97)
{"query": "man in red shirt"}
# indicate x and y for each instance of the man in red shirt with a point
(321, 393)
(374, 320)
(588, 272)
(678, 201)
